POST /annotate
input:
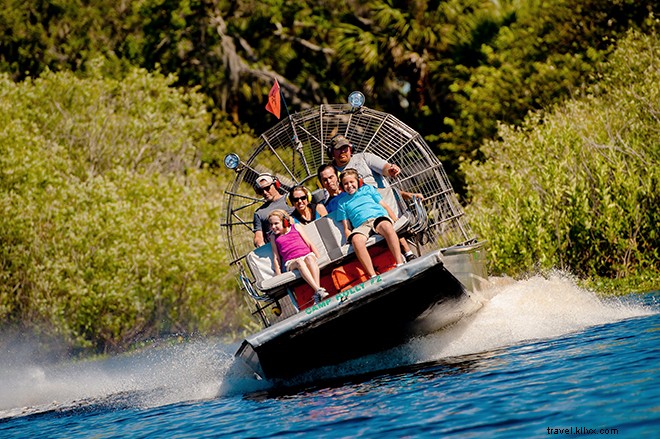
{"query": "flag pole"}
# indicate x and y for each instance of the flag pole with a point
(293, 128)
(296, 141)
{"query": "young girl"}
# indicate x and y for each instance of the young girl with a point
(292, 247)
(366, 213)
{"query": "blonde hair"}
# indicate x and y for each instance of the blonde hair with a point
(282, 215)
(349, 172)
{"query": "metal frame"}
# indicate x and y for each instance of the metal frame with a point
(439, 220)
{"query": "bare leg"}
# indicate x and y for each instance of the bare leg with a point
(304, 272)
(404, 245)
(314, 270)
(385, 229)
(360, 246)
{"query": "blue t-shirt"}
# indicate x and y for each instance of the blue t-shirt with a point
(361, 206)
(332, 204)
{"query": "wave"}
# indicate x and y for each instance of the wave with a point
(514, 312)
(152, 377)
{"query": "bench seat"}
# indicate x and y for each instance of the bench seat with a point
(327, 234)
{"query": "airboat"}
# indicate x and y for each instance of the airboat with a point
(361, 315)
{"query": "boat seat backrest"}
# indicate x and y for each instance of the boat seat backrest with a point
(327, 234)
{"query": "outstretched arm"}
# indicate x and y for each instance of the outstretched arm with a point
(411, 195)
(391, 170)
(347, 230)
(277, 262)
(389, 210)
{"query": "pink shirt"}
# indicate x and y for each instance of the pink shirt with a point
(290, 245)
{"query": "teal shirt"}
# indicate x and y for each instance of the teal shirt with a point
(361, 206)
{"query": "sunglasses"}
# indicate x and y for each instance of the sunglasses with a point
(296, 199)
(342, 148)
(264, 189)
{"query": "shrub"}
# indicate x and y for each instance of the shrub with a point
(109, 226)
(577, 187)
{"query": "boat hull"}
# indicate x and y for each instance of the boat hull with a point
(418, 298)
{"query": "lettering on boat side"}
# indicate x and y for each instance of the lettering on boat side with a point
(341, 297)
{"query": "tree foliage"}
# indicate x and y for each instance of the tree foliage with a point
(115, 115)
(452, 69)
(577, 187)
(110, 229)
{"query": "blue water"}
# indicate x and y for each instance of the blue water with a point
(541, 357)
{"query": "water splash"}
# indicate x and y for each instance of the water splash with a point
(531, 309)
(153, 377)
(514, 312)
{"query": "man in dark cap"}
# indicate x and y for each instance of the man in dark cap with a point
(371, 168)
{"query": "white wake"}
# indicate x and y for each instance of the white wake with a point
(513, 312)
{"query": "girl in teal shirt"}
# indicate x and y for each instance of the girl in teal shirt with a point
(364, 211)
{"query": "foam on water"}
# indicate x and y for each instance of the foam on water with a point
(532, 309)
(153, 377)
(513, 312)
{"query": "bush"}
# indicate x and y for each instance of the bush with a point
(110, 228)
(577, 188)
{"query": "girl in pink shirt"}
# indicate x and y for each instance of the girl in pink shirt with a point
(292, 247)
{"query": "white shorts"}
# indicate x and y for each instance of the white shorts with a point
(299, 260)
(368, 227)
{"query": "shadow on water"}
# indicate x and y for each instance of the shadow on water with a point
(515, 313)
(374, 378)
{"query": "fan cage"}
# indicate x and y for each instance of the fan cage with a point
(294, 148)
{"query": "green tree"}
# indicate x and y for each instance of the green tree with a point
(109, 226)
(452, 69)
(542, 56)
(577, 187)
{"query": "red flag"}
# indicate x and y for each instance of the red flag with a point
(273, 104)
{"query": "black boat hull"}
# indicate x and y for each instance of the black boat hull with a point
(418, 298)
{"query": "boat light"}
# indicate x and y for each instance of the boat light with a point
(232, 161)
(356, 99)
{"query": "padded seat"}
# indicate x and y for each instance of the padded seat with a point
(327, 234)
(262, 265)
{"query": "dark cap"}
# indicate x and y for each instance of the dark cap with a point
(338, 141)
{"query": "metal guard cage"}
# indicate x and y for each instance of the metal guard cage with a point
(294, 148)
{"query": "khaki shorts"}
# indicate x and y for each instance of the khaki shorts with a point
(368, 227)
(300, 260)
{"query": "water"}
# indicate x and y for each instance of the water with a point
(541, 357)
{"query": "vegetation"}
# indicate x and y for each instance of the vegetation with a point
(115, 115)
(451, 68)
(577, 188)
(110, 229)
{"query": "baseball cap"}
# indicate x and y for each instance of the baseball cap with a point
(339, 141)
(265, 178)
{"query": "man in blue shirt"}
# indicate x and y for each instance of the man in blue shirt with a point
(329, 179)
